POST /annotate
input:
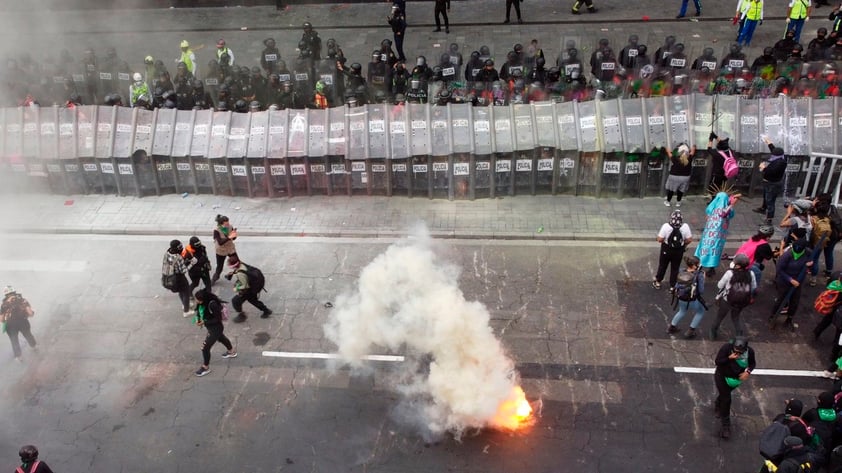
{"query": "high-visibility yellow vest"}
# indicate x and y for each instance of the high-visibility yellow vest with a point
(185, 58)
(755, 11)
(799, 10)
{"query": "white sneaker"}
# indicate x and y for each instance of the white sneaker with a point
(678, 204)
(187, 314)
(667, 203)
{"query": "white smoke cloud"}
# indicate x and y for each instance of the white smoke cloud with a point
(409, 302)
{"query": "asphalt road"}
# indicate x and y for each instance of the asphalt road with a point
(113, 387)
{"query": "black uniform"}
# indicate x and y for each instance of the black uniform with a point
(727, 374)
(398, 23)
(442, 6)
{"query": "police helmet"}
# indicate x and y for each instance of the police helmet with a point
(518, 48)
(282, 65)
(603, 42)
(240, 106)
(421, 61)
(254, 106)
(386, 43)
(669, 40)
(444, 58)
(641, 50)
(356, 68)
(633, 40)
(511, 56)
(539, 62)
(679, 48)
(454, 48)
(489, 63)
(375, 55)
(768, 51)
(269, 42)
(307, 26)
(484, 51)
(822, 32)
(707, 52)
(255, 70)
(137, 77)
(735, 48)
(475, 55)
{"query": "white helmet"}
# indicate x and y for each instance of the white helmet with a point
(8, 290)
(137, 77)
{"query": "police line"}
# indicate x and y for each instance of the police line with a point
(99, 138)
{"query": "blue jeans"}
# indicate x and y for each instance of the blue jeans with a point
(683, 307)
(697, 3)
(771, 192)
(828, 259)
(747, 32)
(796, 25)
(755, 268)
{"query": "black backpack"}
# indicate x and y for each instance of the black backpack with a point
(257, 282)
(771, 441)
(686, 286)
(739, 294)
(675, 241)
(835, 224)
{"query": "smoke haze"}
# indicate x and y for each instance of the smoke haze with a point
(408, 301)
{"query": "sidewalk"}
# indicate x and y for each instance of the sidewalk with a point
(515, 218)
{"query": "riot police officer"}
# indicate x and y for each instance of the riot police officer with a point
(386, 54)
(258, 84)
(629, 52)
(312, 41)
(572, 69)
(353, 77)
(473, 67)
(765, 64)
(400, 79)
(198, 96)
(379, 74)
(270, 56)
(302, 71)
(677, 60)
(597, 55)
(513, 63)
(487, 75)
(284, 73)
(538, 73)
(662, 55)
(448, 69)
(784, 46)
(707, 59)
(484, 53)
(417, 91)
(397, 21)
(735, 59)
(421, 70)
(287, 98)
(455, 59)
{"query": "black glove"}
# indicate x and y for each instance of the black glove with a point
(712, 136)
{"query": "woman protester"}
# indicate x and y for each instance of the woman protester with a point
(678, 180)
(209, 314)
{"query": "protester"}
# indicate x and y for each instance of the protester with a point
(681, 167)
(246, 289)
(773, 171)
(689, 296)
(223, 241)
(29, 462)
(734, 363)
(758, 250)
(735, 293)
(174, 275)
(15, 312)
(674, 236)
(719, 212)
(196, 255)
(790, 272)
(209, 314)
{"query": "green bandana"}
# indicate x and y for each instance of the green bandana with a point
(827, 415)
(797, 254)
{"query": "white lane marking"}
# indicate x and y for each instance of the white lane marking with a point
(761, 372)
(44, 265)
(329, 356)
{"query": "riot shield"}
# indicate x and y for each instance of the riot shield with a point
(212, 88)
(568, 138)
(524, 172)
(357, 136)
(610, 178)
(822, 133)
(240, 181)
(524, 127)
(105, 117)
(258, 173)
(419, 139)
(336, 132)
(772, 113)
(631, 185)
(85, 118)
(326, 72)
(439, 134)
(277, 141)
(31, 137)
(656, 130)
(545, 129)
(611, 132)
(631, 112)
(703, 121)
(727, 111)
(359, 177)
(218, 145)
(302, 78)
(143, 131)
(378, 140)
(67, 133)
(421, 184)
(317, 133)
(202, 121)
(162, 141)
(482, 136)
(297, 136)
(798, 126)
(586, 111)
(317, 148)
(238, 138)
(699, 172)
(590, 171)
(165, 173)
(124, 132)
(749, 128)
(503, 133)
(654, 165)
(679, 129)
(257, 135)
(460, 121)
(49, 133)
(398, 137)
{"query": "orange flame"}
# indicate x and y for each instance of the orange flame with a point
(514, 412)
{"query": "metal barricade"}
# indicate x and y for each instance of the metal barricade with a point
(823, 176)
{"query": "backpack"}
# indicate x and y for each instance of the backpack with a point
(31, 469)
(169, 280)
(821, 227)
(685, 286)
(731, 167)
(257, 281)
(826, 301)
(805, 467)
(771, 441)
(675, 241)
(739, 292)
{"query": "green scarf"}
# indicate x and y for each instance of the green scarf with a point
(224, 230)
(827, 415)
(797, 254)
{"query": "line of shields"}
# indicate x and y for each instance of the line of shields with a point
(604, 147)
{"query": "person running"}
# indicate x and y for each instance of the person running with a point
(223, 241)
(674, 236)
(690, 298)
(791, 268)
(734, 363)
(209, 314)
(15, 312)
(758, 250)
(735, 293)
(245, 290)
(174, 275)
(196, 255)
